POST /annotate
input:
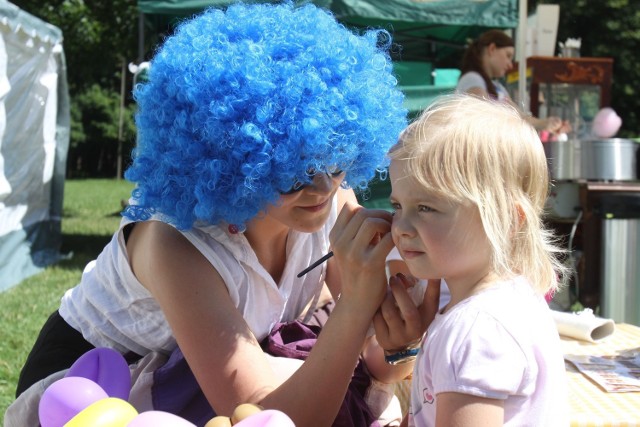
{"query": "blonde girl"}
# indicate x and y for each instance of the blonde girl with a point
(469, 181)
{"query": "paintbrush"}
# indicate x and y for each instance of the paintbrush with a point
(315, 264)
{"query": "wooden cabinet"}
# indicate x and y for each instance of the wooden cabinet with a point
(547, 71)
(574, 89)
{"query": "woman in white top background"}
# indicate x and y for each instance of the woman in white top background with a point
(489, 58)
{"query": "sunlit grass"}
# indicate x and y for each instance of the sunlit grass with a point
(91, 215)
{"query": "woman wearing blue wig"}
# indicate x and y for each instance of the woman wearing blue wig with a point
(255, 126)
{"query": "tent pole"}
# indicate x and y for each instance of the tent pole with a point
(522, 63)
(123, 76)
(140, 37)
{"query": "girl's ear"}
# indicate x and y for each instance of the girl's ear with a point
(491, 48)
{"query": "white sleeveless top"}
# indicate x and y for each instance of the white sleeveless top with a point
(111, 308)
(473, 79)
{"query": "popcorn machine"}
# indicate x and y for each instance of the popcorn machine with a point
(594, 202)
(571, 88)
(574, 89)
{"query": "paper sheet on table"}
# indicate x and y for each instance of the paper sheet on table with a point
(583, 325)
(614, 373)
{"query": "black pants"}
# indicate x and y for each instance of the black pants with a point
(58, 346)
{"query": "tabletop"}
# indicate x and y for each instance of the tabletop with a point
(590, 405)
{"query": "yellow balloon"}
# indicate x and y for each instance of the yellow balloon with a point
(109, 412)
(219, 421)
(244, 410)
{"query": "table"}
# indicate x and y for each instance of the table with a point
(590, 405)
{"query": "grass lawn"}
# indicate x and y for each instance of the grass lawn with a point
(91, 215)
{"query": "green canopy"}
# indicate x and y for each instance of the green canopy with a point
(429, 34)
(426, 30)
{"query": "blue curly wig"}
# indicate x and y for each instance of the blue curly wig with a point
(242, 103)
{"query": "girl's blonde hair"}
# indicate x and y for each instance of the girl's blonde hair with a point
(483, 152)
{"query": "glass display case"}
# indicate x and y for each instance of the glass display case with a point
(574, 89)
(578, 104)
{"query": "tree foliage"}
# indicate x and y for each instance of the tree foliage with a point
(97, 34)
(98, 37)
(95, 132)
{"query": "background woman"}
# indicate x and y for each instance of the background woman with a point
(488, 58)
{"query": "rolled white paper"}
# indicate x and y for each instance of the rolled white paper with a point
(583, 325)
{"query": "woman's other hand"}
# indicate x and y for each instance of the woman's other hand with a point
(398, 322)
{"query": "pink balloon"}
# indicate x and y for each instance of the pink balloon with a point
(67, 397)
(107, 368)
(267, 418)
(158, 418)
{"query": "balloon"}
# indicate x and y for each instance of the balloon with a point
(158, 419)
(267, 418)
(107, 368)
(244, 410)
(606, 123)
(219, 421)
(108, 412)
(65, 398)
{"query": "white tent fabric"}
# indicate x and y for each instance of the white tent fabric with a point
(34, 139)
(5, 86)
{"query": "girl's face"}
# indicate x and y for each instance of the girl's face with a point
(499, 60)
(308, 209)
(437, 238)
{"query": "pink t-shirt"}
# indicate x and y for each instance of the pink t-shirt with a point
(499, 344)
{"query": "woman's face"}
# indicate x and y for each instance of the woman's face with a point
(499, 60)
(436, 237)
(308, 209)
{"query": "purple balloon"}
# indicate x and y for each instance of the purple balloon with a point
(107, 368)
(67, 397)
(158, 418)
